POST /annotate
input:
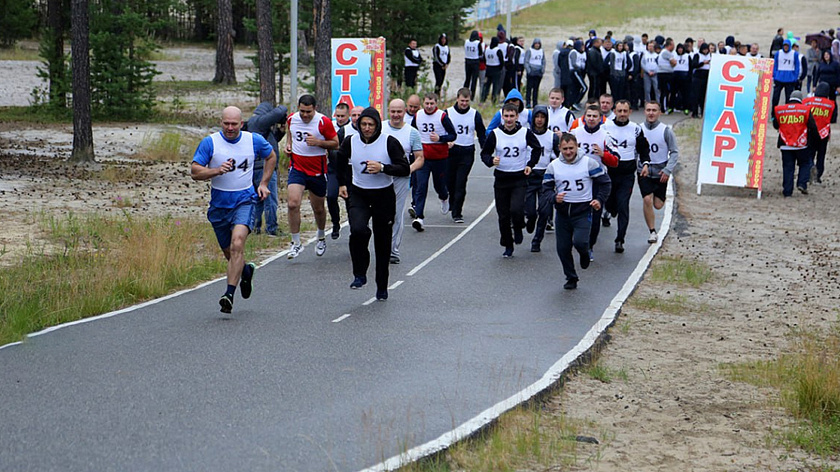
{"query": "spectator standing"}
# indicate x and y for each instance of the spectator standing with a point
(534, 69)
(786, 69)
(412, 63)
(440, 61)
(778, 40)
(473, 52)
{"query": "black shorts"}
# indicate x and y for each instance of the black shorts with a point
(652, 185)
(316, 184)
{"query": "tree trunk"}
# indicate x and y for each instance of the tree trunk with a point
(225, 72)
(80, 50)
(56, 55)
(268, 91)
(323, 61)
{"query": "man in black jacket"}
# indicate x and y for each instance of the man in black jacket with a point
(264, 122)
(594, 68)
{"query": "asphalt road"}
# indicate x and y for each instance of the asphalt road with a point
(290, 381)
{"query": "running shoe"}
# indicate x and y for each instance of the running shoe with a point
(530, 224)
(571, 284)
(444, 206)
(294, 251)
(508, 252)
(336, 232)
(412, 212)
(619, 247)
(418, 224)
(549, 227)
(535, 246)
(518, 237)
(245, 283)
(605, 220)
(458, 219)
(653, 237)
(585, 261)
(382, 295)
(226, 302)
(395, 259)
(358, 282)
(591, 255)
(321, 247)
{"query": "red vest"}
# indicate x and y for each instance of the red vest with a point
(793, 124)
(821, 109)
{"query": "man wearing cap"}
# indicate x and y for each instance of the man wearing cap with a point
(797, 129)
(786, 70)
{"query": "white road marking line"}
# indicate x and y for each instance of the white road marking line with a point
(552, 374)
(453, 241)
(341, 318)
(369, 301)
(396, 284)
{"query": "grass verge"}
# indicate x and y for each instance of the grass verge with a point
(526, 438)
(680, 271)
(92, 265)
(808, 380)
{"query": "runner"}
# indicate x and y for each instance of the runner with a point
(628, 141)
(664, 154)
(568, 182)
(311, 134)
(591, 140)
(227, 160)
(514, 97)
(436, 131)
(507, 149)
(467, 123)
(409, 139)
(537, 210)
(367, 163)
(412, 106)
(560, 118)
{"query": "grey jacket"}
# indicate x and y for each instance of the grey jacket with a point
(533, 69)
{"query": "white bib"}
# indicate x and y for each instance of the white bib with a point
(658, 146)
(573, 179)
(471, 49)
(536, 57)
(786, 60)
(587, 141)
(360, 153)
(298, 131)
(623, 139)
(557, 119)
(512, 150)
(464, 126)
(443, 53)
(428, 124)
(242, 153)
(403, 135)
(491, 57)
(547, 142)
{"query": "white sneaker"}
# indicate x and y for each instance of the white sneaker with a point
(653, 237)
(418, 224)
(321, 247)
(294, 251)
(444, 206)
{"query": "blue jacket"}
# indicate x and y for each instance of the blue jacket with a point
(497, 118)
(786, 76)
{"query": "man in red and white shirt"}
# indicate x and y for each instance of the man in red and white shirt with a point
(436, 130)
(310, 136)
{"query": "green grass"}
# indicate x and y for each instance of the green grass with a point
(35, 115)
(808, 380)
(92, 264)
(680, 271)
(598, 13)
(675, 305)
(522, 439)
(604, 374)
(19, 53)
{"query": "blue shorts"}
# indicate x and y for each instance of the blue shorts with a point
(316, 184)
(224, 219)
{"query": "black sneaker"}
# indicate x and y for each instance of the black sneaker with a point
(530, 225)
(382, 295)
(570, 284)
(458, 219)
(358, 282)
(803, 190)
(245, 283)
(535, 246)
(517, 235)
(619, 247)
(508, 252)
(605, 222)
(395, 260)
(336, 232)
(226, 302)
(585, 261)
(549, 227)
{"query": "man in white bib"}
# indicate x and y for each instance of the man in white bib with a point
(226, 159)
(468, 123)
(367, 163)
(653, 178)
(568, 183)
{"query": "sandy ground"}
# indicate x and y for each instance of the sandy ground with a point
(772, 261)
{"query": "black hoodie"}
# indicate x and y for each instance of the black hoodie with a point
(398, 167)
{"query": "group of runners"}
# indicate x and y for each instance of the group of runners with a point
(550, 169)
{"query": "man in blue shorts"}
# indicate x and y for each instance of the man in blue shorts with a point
(226, 159)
